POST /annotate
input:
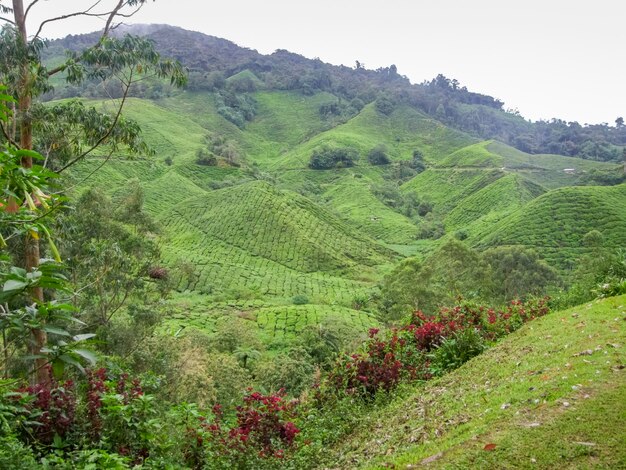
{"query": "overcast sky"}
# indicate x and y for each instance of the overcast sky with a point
(547, 58)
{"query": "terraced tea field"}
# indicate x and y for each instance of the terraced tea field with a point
(556, 222)
(286, 322)
(255, 237)
(273, 323)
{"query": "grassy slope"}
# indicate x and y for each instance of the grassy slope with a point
(402, 132)
(479, 188)
(446, 188)
(273, 323)
(546, 170)
(541, 402)
(476, 194)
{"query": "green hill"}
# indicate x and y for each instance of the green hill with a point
(405, 130)
(322, 233)
(255, 237)
(446, 188)
(494, 201)
(551, 395)
(556, 222)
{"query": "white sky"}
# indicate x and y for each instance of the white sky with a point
(547, 58)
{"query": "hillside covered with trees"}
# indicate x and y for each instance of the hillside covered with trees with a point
(214, 258)
(214, 63)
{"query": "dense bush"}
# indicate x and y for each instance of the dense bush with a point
(110, 420)
(426, 345)
(378, 155)
(324, 158)
(263, 431)
(384, 105)
(237, 108)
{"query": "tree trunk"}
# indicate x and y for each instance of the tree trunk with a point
(41, 373)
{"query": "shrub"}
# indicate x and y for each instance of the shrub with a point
(51, 411)
(417, 163)
(300, 299)
(292, 372)
(205, 158)
(263, 430)
(384, 105)
(448, 339)
(237, 108)
(456, 350)
(378, 155)
(324, 158)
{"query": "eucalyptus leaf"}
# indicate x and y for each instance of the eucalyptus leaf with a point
(83, 337)
(55, 331)
(14, 285)
(89, 355)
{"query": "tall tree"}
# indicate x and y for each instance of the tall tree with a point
(27, 77)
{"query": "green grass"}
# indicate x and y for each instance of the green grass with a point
(534, 395)
(476, 155)
(402, 132)
(273, 323)
(250, 240)
(353, 200)
(169, 133)
(285, 322)
(546, 170)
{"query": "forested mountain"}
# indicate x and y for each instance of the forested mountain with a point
(211, 61)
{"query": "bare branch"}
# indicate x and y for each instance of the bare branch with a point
(86, 12)
(32, 4)
(7, 137)
(2, 18)
(124, 15)
(112, 15)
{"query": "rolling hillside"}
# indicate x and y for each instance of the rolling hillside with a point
(272, 229)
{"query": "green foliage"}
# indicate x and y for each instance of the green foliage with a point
(556, 222)
(300, 299)
(236, 108)
(456, 350)
(324, 158)
(217, 146)
(205, 158)
(453, 270)
(517, 273)
(378, 155)
(291, 371)
(384, 105)
(110, 250)
(389, 194)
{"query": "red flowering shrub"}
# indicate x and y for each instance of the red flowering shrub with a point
(263, 430)
(513, 316)
(110, 413)
(404, 352)
(52, 410)
(381, 366)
